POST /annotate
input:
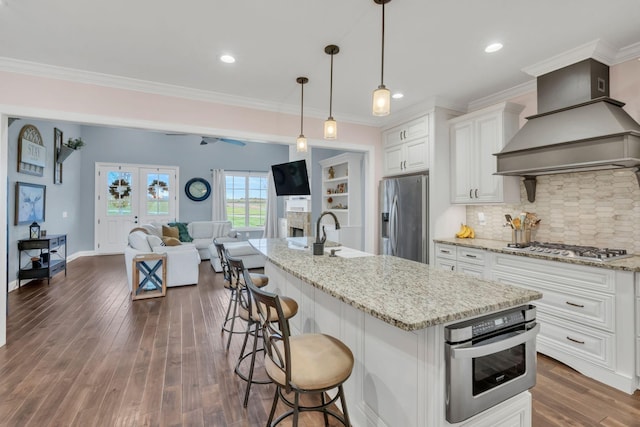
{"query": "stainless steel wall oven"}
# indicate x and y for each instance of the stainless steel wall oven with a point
(488, 360)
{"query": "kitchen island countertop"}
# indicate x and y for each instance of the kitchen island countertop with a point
(403, 293)
(631, 263)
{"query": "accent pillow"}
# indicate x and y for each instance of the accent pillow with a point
(138, 241)
(170, 231)
(154, 241)
(202, 230)
(171, 241)
(183, 233)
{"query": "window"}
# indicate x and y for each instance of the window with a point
(246, 198)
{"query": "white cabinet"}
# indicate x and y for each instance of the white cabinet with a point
(406, 148)
(474, 139)
(583, 315)
(470, 261)
(342, 194)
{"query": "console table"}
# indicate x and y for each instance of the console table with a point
(51, 252)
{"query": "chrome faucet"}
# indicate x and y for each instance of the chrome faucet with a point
(318, 246)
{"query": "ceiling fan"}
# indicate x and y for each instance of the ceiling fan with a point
(214, 139)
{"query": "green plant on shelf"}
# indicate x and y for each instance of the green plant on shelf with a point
(75, 143)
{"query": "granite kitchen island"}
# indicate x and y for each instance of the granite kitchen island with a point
(391, 312)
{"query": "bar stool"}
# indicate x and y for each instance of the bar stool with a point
(249, 313)
(302, 364)
(231, 283)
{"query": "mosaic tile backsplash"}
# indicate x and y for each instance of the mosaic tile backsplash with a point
(599, 208)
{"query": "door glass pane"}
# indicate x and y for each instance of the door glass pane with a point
(119, 190)
(157, 199)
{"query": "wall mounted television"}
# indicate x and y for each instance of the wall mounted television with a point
(291, 179)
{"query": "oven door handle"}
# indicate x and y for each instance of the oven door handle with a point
(494, 347)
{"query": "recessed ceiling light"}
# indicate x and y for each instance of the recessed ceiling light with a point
(493, 47)
(227, 59)
(397, 95)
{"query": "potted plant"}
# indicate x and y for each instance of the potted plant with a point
(69, 147)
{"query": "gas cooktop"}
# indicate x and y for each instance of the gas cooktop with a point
(561, 250)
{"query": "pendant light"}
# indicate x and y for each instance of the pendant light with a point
(382, 95)
(330, 125)
(301, 142)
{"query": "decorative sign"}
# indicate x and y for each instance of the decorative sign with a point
(32, 154)
(57, 145)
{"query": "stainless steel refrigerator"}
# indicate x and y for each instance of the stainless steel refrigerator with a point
(404, 217)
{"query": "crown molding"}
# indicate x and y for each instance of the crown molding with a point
(503, 95)
(628, 53)
(596, 49)
(137, 85)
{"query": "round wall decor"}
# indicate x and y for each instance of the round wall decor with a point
(197, 189)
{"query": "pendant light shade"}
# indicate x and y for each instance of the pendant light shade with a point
(301, 142)
(382, 95)
(330, 125)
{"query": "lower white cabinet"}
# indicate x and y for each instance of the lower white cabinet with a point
(589, 316)
(470, 261)
(584, 315)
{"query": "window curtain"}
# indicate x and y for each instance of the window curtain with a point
(219, 196)
(271, 220)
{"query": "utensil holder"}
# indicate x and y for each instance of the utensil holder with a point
(520, 236)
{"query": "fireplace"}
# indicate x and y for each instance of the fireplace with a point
(299, 224)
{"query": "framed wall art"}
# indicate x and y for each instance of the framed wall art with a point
(30, 203)
(57, 145)
(32, 154)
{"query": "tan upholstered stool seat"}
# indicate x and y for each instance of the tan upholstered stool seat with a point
(289, 309)
(318, 361)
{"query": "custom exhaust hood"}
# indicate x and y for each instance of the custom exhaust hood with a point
(577, 128)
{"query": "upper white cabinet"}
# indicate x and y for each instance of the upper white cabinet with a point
(475, 138)
(406, 147)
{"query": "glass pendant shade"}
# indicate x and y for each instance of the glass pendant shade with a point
(301, 144)
(301, 141)
(330, 129)
(381, 101)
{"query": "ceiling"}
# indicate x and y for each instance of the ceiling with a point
(434, 49)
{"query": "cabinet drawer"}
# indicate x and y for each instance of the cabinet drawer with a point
(471, 255)
(592, 309)
(445, 251)
(577, 340)
(556, 274)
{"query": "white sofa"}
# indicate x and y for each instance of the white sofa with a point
(182, 261)
(203, 233)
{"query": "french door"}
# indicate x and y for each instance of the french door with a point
(128, 195)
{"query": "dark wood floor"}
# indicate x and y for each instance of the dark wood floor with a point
(81, 353)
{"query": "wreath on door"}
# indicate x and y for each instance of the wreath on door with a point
(120, 189)
(155, 187)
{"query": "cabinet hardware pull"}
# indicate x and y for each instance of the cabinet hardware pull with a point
(445, 251)
(453, 268)
(573, 304)
(400, 165)
(575, 340)
(471, 193)
(470, 256)
(405, 164)
(404, 134)
(476, 193)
